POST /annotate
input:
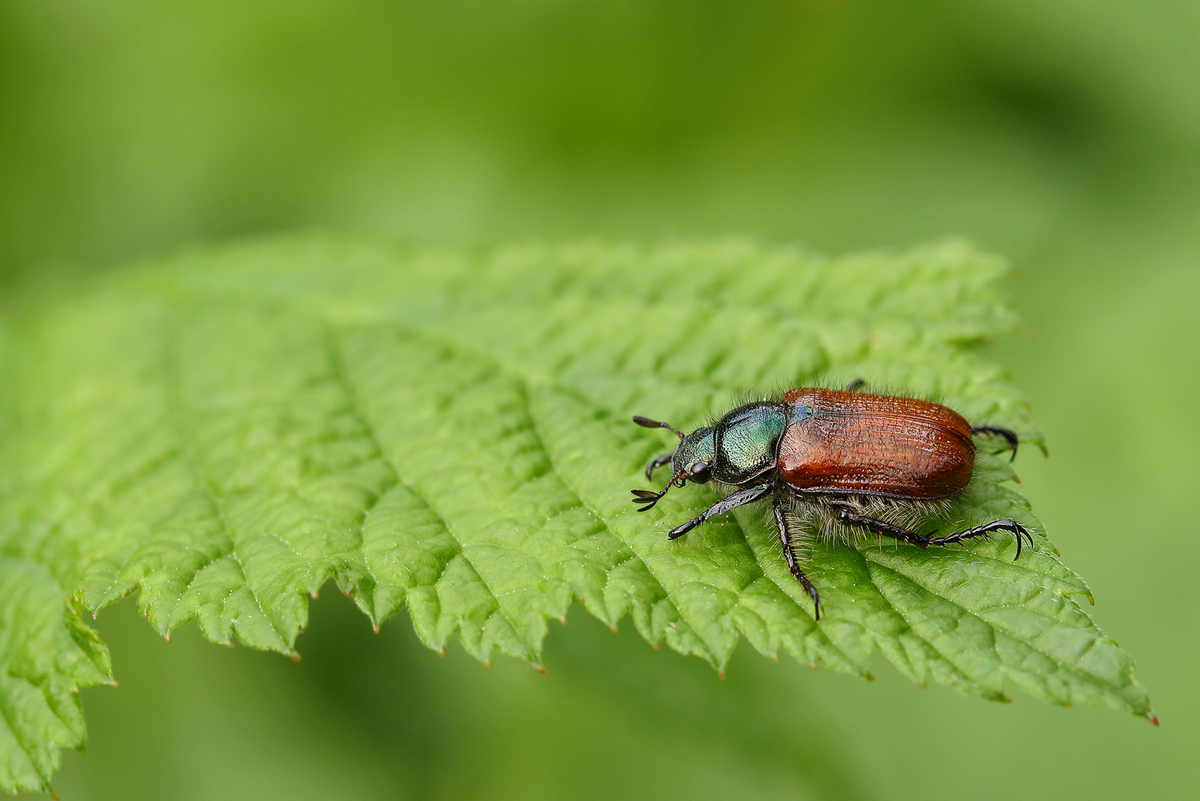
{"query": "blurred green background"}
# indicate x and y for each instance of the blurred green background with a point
(1065, 136)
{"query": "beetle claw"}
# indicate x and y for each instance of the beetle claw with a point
(1010, 438)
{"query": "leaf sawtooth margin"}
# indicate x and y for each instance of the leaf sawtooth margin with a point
(224, 432)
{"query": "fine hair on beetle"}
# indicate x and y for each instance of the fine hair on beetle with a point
(836, 465)
(815, 517)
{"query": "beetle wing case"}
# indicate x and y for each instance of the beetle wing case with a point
(847, 463)
(848, 442)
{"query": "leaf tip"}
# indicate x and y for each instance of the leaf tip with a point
(295, 655)
(613, 627)
(1153, 718)
(375, 627)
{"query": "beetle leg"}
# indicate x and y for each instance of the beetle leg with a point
(789, 553)
(1009, 435)
(855, 385)
(726, 504)
(847, 515)
(983, 531)
(658, 462)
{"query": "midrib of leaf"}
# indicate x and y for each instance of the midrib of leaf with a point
(463, 454)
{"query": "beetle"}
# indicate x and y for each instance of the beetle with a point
(844, 459)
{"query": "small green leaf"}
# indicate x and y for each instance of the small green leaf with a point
(223, 433)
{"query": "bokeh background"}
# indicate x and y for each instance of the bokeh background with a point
(1064, 135)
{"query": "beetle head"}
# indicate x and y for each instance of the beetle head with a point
(693, 459)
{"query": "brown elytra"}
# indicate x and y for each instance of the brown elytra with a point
(876, 445)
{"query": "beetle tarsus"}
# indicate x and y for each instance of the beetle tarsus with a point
(1010, 437)
(658, 462)
(848, 515)
(983, 531)
(789, 554)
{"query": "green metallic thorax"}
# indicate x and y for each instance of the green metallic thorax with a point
(744, 444)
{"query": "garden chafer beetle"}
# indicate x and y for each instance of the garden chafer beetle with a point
(875, 463)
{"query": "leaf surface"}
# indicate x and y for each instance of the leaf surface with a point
(224, 432)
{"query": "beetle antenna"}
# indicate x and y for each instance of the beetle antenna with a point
(646, 422)
(650, 498)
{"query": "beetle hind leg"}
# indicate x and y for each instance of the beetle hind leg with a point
(984, 531)
(848, 516)
(789, 554)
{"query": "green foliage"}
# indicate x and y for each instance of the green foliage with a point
(224, 433)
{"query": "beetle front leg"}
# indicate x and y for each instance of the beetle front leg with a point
(726, 504)
(658, 462)
(789, 554)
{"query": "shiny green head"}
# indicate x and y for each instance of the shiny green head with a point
(695, 455)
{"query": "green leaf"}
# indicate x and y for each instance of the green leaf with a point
(225, 432)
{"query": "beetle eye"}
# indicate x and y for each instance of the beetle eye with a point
(698, 471)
